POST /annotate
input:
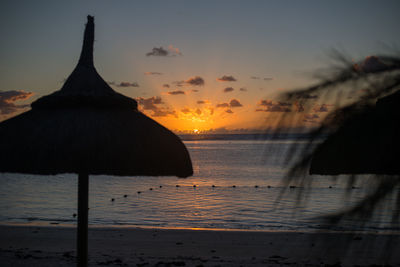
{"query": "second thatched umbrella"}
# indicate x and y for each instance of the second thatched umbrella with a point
(88, 128)
(366, 143)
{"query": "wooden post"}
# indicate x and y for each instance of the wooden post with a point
(82, 237)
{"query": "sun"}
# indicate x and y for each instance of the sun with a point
(196, 131)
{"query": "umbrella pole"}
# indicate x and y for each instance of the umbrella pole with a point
(82, 237)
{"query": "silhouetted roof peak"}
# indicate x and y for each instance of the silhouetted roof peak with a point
(85, 87)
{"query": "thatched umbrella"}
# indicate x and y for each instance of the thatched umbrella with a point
(361, 136)
(88, 128)
(366, 143)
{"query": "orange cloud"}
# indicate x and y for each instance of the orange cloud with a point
(7, 99)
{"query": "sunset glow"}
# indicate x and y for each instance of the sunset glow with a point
(271, 126)
(189, 75)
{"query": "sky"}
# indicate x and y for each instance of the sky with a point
(193, 66)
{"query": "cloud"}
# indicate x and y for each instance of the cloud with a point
(268, 103)
(7, 99)
(158, 51)
(192, 81)
(185, 110)
(229, 111)
(123, 84)
(196, 114)
(165, 85)
(200, 102)
(228, 89)
(234, 103)
(174, 50)
(177, 92)
(284, 104)
(227, 78)
(163, 113)
(370, 64)
(265, 103)
(222, 105)
(298, 107)
(321, 108)
(148, 73)
(195, 81)
(277, 108)
(161, 52)
(194, 91)
(152, 103)
(270, 106)
(311, 118)
(265, 79)
(178, 83)
(128, 84)
(243, 89)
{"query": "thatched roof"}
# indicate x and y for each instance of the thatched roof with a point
(367, 143)
(85, 87)
(88, 127)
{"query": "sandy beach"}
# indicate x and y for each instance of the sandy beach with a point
(55, 246)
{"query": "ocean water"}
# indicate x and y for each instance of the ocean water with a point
(237, 184)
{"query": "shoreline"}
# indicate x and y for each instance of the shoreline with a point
(55, 246)
(136, 227)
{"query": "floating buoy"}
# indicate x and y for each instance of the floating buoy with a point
(125, 195)
(112, 199)
(139, 192)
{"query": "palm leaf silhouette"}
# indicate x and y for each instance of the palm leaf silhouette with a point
(361, 134)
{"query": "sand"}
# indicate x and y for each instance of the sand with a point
(55, 246)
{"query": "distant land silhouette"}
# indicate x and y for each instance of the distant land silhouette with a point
(256, 136)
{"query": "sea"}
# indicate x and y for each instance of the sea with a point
(238, 184)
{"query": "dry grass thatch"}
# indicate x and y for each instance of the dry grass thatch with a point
(360, 136)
